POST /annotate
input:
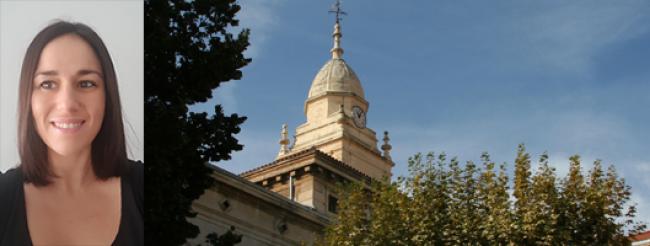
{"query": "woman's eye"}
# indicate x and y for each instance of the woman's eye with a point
(48, 85)
(87, 84)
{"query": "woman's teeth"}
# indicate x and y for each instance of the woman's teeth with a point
(67, 125)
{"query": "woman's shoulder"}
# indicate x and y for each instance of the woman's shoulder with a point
(135, 177)
(10, 184)
(135, 171)
(9, 181)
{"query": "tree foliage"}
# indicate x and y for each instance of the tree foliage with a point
(229, 238)
(189, 52)
(441, 202)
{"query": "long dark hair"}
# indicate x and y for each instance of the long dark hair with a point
(109, 157)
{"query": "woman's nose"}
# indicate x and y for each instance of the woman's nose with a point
(68, 98)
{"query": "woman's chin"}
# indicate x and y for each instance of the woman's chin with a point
(66, 151)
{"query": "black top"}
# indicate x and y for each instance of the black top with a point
(13, 219)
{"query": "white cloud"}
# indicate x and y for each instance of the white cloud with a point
(644, 167)
(226, 96)
(259, 149)
(642, 207)
(639, 194)
(257, 15)
(589, 134)
(642, 170)
(260, 17)
(560, 161)
(567, 37)
(578, 129)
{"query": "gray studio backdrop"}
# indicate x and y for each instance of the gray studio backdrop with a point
(121, 26)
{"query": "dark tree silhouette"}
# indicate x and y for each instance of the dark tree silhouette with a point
(227, 239)
(189, 52)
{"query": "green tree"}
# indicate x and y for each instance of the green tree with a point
(189, 53)
(605, 201)
(442, 203)
(387, 210)
(618, 207)
(428, 187)
(544, 206)
(523, 224)
(572, 196)
(456, 217)
(495, 214)
(464, 205)
(352, 228)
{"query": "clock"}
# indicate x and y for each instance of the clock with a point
(358, 117)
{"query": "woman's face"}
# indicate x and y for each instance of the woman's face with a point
(68, 95)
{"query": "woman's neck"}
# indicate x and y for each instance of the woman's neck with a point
(72, 172)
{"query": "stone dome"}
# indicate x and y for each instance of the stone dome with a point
(336, 76)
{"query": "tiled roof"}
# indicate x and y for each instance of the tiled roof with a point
(312, 150)
(641, 236)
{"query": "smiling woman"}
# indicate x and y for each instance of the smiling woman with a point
(75, 185)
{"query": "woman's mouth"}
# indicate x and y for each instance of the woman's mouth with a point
(68, 126)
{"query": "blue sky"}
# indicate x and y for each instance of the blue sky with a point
(567, 77)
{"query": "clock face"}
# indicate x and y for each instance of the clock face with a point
(358, 117)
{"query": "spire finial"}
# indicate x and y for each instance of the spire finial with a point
(336, 8)
(294, 143)
(337, 51)
(284, 141)
(386, 147)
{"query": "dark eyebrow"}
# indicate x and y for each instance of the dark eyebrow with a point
(89, 71)
(50, 72)
(80, 72)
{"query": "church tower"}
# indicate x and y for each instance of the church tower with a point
(336, 111)
(335, 143)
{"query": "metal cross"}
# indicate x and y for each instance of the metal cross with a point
(336, 8)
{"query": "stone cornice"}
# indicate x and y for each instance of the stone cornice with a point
(329, 162)
(335, 94)
(270, 197)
